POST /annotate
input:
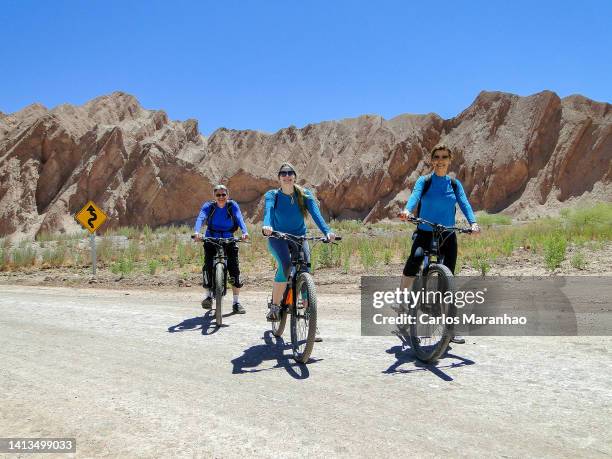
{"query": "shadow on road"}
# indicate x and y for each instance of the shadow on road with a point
(272, 349)
(404, 355)
(205, 323)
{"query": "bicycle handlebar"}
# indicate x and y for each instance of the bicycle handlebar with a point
(439, 227)
(279, 235)
(219, 240)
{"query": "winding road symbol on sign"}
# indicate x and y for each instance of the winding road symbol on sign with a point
(91, 217)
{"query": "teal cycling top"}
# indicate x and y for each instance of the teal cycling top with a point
(287, 217)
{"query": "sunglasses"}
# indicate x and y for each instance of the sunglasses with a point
(221, 195)
(286, 173)
(440, 157)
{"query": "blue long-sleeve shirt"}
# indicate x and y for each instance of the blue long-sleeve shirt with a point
(287, 217)
(221, 224)
(438, 204)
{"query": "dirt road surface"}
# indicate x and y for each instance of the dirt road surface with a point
(146, 374)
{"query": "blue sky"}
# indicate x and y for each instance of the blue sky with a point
(268, 64)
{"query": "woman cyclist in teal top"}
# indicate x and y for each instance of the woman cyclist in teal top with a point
(437, 205)
(285, 211)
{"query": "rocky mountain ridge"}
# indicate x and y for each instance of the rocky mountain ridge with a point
(513, 154)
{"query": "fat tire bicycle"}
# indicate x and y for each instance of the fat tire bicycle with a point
(299, 299)
(219, 279)
(429, 341)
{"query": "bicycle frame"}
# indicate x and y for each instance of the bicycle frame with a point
(437, 240)
(298, 260)
(220, 258)
(298, 265)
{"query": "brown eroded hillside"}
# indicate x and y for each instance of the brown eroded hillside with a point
(513, 153)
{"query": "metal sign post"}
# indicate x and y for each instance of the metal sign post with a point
(91, 217)
(92, 240)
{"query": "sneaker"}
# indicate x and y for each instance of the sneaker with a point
(273, 314)
(318, 337)
(207, 303)
(458, 340)
(238, 309)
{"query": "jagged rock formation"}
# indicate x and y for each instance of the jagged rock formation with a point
(512, 153)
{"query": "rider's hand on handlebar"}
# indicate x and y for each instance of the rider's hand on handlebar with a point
(245, 237)
(475, 228)
(331, 237)
(405, 215)
(267, 230)
(196, 237)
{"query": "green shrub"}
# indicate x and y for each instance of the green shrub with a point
(166, 244)
(153, 266)
(325, 258)
(182, 256)
(481, 263)
(132, 252)
(346, 261)
(366, 254)
(507, 246)
(55, 256)
(147, 233)
(23, 256)
(554, 250)
(123, 266)
(594, 222)
(387, 256)
(578, 261)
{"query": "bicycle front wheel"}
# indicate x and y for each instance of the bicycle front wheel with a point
(431, 327)
(219, 281)
(304, 318)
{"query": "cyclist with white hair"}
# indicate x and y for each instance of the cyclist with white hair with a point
(222, 218)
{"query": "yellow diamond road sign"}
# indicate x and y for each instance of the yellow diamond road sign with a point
(91, 217)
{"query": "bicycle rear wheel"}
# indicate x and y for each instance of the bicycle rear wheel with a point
(219, 281)
(431, 327)
(304, 318)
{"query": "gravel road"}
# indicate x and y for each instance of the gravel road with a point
(146, 374)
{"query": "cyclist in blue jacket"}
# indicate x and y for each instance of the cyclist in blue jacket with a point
(434, 197)
(285, 211)
(222, 218)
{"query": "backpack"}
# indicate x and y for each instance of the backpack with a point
(276, 197)
(230, 204)
(427, 186)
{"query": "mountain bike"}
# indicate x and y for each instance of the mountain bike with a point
(219, 280)
(431, 326)
(299, 299)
